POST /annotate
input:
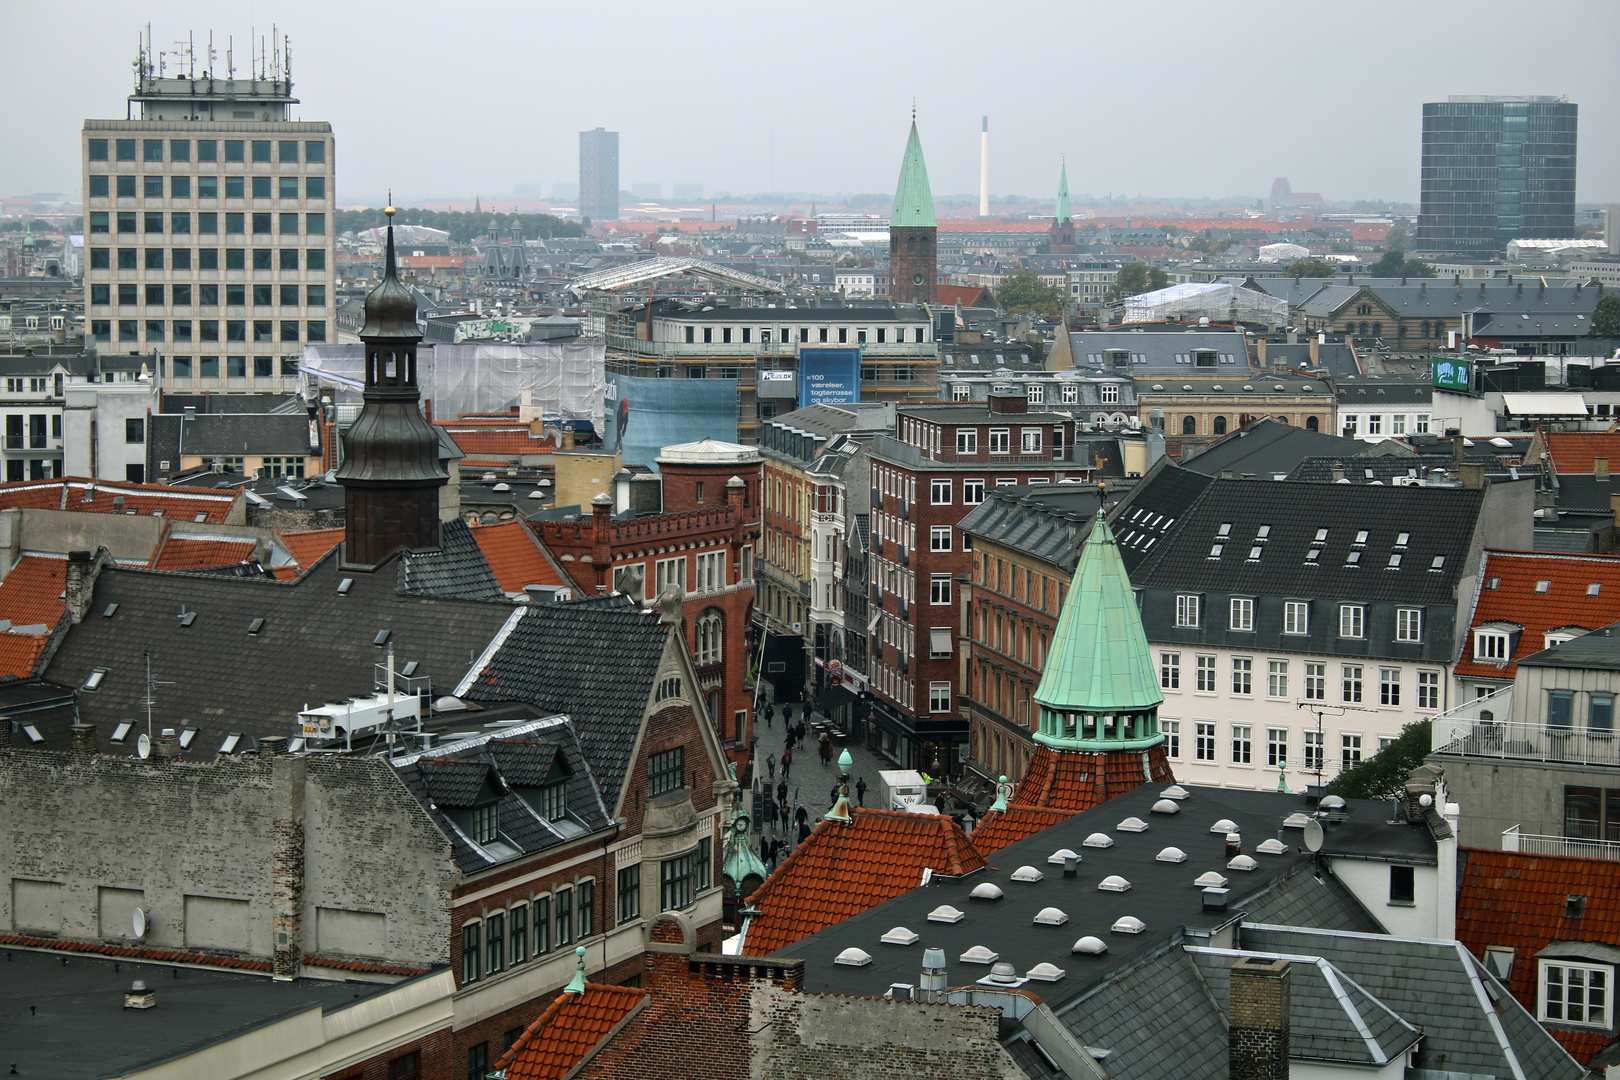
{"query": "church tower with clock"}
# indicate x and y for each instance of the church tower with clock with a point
(913, 232)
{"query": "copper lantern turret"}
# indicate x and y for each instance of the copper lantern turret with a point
(390, 473)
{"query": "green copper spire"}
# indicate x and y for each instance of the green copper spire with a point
(1099, 690)
(1063, 214)
(913, 198)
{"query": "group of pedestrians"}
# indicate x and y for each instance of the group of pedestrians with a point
(788, 824)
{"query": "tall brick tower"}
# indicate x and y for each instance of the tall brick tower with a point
(913, 232)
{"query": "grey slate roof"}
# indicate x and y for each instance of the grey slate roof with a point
(511, 764)
(595, 659)
(1268, 447)
(1386, 469)
(1048, 522)
(1339, 359)
(1159, 350)
(1599, 650)
(458, 570)
(236, 434)
(1162, 496)
(315, 646)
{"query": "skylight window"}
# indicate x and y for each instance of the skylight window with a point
(1361, 537)
(1543, 586)
(121, 732)
(1225, 529)
(1394, 562)
(1492, 583)
(1265, 531)
(255, 626)
(199, 517)
(345, 585)
(1313, 554)
(1215, 550)
(1437, 563)
(1594, 588)
(1321, 536)
(1401, 539)
(1353, 558)
(410, 669)
(187, 737)
(33, 733)
(109, 611)
(230, 743)
(93, 683)
(188, 618)
(1254, 553)
(382, 637)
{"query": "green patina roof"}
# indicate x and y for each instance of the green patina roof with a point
(913, 198)
(1063, 214)
(1099, 660)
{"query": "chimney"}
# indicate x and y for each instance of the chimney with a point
(84, 741)
(1456, 447)
(79, 584)
(118, 504)
(1257, 1035)
(1316, 350)
(1472, 475)
(1338, 471)
(287, 777)
(271, 745)
(932, 987)
(1260, 352)
(1614, 508)
(1600, 468)
(1005, 402)
(734, 491)
(1226, 474)
(5, 721)
(168, 746)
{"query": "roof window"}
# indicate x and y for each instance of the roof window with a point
(1437, 563)
(410, 669)
(1352, 558)
(109, 611)
(1254, 553)
(93, 683)
(255, 626)
(1263, 533)
(1594, 588)
(1215, 550)
(1361, 537)
(201, 516)
(1543, 586)
(382, 637)
(187, 737)
(1225, 529)
(1313, 554)
(1321, 535)
(1401, 539)
(231, 742)
(1394, 562)
(345, 585)
(121, 732)
(187, 618)
(1492, 583)
(1574, 907)
(33, 733)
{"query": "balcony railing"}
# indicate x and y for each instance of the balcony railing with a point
(1514, 840)
(1529, 742)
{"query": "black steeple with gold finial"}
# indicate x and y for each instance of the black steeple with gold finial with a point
(390, 474)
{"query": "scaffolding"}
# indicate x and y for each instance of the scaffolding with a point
(618, 278)
(1219, 302)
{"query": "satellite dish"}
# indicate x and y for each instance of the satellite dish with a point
(1313, 835)
(138, 923)
(143, 745)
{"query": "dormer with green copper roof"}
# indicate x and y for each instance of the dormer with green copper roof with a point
(1099, 690)
(913, 198)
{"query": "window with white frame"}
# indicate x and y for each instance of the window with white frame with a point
(1035, 394)
(939, 588)
(939, 697)
(939, 643)
(1349, 751)
(1397, 424)
(1375, 423)
(961, 391)
(1428, 687)
(1313, 751)
(967, 440)
(1389, 686)
(1491, 645)
(1409, 624)
(1030, 440)
(1349, 425)
(939, 491)
(1296, 616)
(1186, 610)
(1242, 675)
(1204, 741)
(1277, 678)
(973, 491)
(1242, 615)
(1277, 747)
(1108, 393)
(1315, 682)
(1350, 620)
(1001, 440)
(1242, 744)
(1170, 670)
(1350, 683)
(939, 538)
(710, 643)
(1171, 730)
(669, 572)
(1422, 425)
(1206, 674)
(711, 571)
(1071, 394)
(1574, 993)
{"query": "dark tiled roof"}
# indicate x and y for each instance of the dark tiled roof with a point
(1068, 782)
(315, 645)
(1048, 522)
(1153, 508)
(453, 782)
(594, 659)
(1266, 448)
(235, 434)
(458, 570)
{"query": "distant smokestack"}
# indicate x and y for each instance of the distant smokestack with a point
(984, 168)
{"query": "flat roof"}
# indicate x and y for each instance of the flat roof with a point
(63, 1016)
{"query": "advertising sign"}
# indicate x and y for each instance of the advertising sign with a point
(646, 415)
(1450, 373)
(829, 376)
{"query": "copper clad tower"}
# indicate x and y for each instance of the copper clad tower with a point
(390, 474)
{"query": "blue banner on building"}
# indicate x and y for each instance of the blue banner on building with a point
(646, 415)
(829, 376)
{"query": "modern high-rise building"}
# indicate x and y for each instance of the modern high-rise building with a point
(599, 175)
(209, 228)
(1496, 169)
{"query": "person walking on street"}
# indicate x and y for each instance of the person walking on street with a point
(770, 764)
(826, 749)
(770, 714)
(801, 815)
(860, 791)
(804, 831)
(787, 716)
(787, 763)
(781, 791)
(786, 814)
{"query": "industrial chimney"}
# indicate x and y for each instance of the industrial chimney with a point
(984, 168)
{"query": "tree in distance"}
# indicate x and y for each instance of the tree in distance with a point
(1136, 278)
(1310, 268)
(1026, 294)
(1383, 775)
(1606, 317)
(1395, 264)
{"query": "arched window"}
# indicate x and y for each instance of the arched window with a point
(1363, 332)
(1189, 425)
(1220, 425)
(1311, 424)
(1378, 330)
(710, 638)
(911, 243)
(1424, 326)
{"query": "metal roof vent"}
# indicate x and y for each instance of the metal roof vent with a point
(1090, 946)
(1135, 824)
(853, 957)
(901, 936)
(1210, 880)
(1044, 972)
(987, 890)
(1174, 791)
(1167, 806)
(1215, 899)
(138, 996)
(1050, 916)
(946, 914)
(1296, 821)
(1028, 873)
(1113, 883)
(1224, 826)
(1171, 854)
(1005, 973)
(979, 955)
(1242, 862)
(1272, 847)
(1128, 924)
(1058, 857)
(1099, 840)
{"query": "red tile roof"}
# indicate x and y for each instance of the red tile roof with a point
(514, 556)
(843, 869)
(307, 546)
(166, 955)
(32, 592)
(506, 439)
(570, 1028)
(1564, 604)
(184, 553)
(1063, 782)
(1572, 451)
(95, 496)
(362, 965)
(1516, 900)
(20, 652)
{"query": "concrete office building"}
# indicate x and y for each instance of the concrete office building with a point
(209, 229)
(599, 175)
(1496, 169)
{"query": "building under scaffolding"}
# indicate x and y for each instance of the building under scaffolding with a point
(1218, 302)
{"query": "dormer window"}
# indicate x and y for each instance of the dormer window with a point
(554, 800)
(1491, 646)
(486, 822)
(1575, 995)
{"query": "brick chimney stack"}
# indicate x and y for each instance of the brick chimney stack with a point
(167, 746)
(602, 540)
(1257, 1038)
(84, 741)
(80, 583)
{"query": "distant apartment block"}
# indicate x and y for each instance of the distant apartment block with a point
(599, 175)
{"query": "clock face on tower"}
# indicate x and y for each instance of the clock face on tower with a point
(917, 279)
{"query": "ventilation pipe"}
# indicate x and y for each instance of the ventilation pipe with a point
(932, 987)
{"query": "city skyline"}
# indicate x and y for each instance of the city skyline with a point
(1133, 126)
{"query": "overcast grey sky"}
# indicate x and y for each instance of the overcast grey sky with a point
(1168, 98)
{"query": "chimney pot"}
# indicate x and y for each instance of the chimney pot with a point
(271, 745)
(84, 740)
